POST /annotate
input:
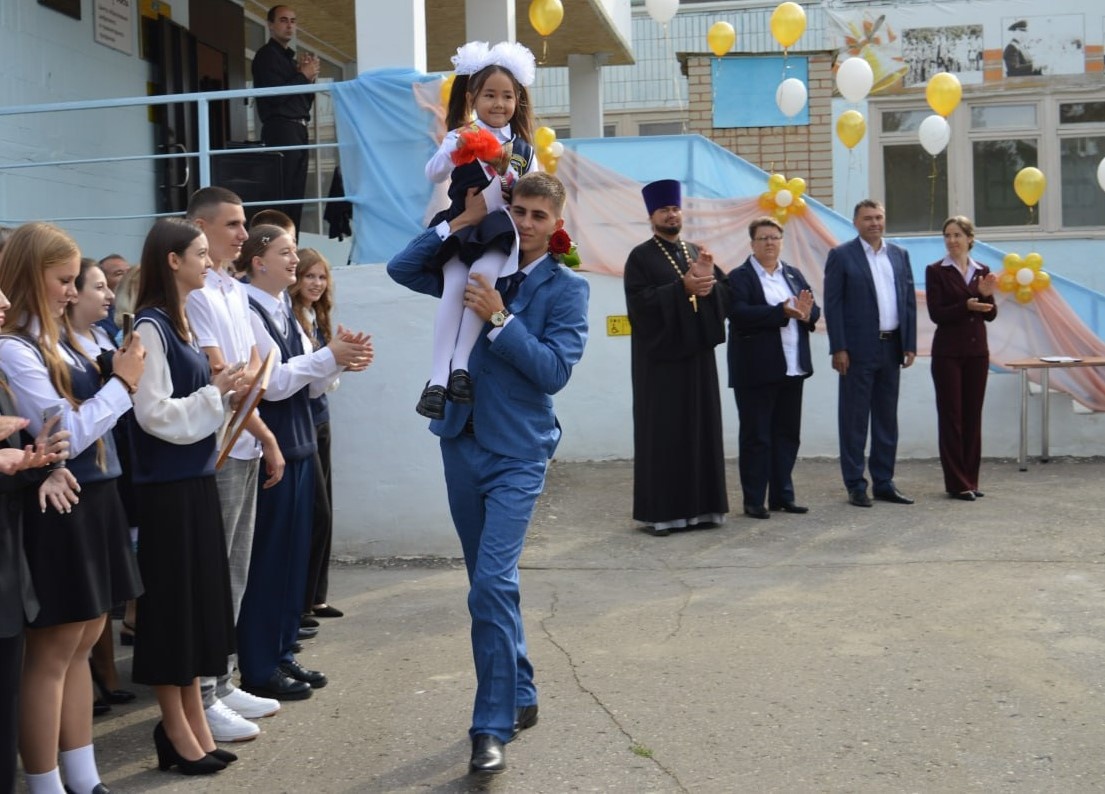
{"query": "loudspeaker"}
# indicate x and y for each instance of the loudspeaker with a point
(254, 176)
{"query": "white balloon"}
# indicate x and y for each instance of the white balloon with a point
(662, 10)
(1101, 173)
(854, 79)
(556, 148)
(783, 198)
(790, 96)
(934, 134)
(1025, 276)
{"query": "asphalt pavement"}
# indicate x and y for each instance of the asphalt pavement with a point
(943, 646)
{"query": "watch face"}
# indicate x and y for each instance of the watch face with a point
(498, 318)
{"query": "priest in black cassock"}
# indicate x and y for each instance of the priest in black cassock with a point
(677, 313)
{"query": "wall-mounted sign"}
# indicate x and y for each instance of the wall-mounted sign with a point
(113, 24)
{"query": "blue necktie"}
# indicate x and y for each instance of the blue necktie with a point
(508, 286)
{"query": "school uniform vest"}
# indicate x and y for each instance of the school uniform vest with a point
(473, 174)
(288, 419)
(157, 460)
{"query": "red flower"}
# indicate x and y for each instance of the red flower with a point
(476, 143)
(560, 243)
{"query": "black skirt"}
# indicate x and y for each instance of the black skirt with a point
(494, 233)
(185, 617)
(81, 562)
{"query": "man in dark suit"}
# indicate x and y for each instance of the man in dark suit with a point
(871, 313)
(495, 449)
(771, 314)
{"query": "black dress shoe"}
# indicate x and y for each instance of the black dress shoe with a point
(99, 788)
(327, 611)
(859, 498)
(656, 533)
(978, 494)
(281, 687)
(524, 718)
(432, 402)
(756, 511)
(307, 622)
(893, 495)
(100, 707)
(306, 633)
(460, 386)
(966, 496)
(488, 755)
(294, 669)
(791, 507)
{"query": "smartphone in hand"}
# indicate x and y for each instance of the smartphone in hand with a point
(128, 327)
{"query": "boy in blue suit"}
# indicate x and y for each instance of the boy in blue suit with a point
(495, 449)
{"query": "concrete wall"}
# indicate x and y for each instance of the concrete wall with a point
(389, 490)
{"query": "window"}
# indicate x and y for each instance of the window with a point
(991, 141)
(661, 128)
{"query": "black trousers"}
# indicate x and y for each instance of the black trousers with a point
(322, 530)
(770, 432)
(286, 132)
(11, 666)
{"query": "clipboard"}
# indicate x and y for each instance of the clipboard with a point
(246, 408)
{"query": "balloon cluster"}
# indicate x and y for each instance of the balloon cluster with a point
(721, 37)
(1023, 277)
(549, 149)
(943, 93)
(854, 79)
(783, 198)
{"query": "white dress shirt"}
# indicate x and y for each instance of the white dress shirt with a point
(777, 290)
(969, 274)
(883, 274)
(316, 369)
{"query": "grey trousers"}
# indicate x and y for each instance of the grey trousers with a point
(237, 484)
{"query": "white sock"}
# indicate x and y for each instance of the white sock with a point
(81, 774)
(471, 324)
(45, 783)
(447, 320)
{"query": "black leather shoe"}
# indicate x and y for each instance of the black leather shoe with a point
(524, 718)
(281, 687)
(756, 511)
(306, 633)
(978, 494)
(432, 402)
(460, 386)
(294, 669)
(307, 622)
(966, 496)
(488, 755)
(859, 498)
(656, 533)
(791, 507)
(893, 495)
(100, 707)
(100, 788)
(327, 611)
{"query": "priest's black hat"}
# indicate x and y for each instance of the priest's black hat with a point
(662, 193)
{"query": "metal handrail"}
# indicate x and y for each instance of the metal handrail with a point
(204, 152)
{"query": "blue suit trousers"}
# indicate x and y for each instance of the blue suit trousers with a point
(868, 395)
(269, 620)
(491, 498)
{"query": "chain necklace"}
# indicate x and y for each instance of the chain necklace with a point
(693, 299)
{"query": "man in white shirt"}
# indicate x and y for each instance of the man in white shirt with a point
(871, 314)
(219, 316)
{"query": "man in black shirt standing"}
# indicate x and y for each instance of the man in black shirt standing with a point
(284, 119)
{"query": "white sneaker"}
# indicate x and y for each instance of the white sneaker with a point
(250, 706)
(228, 725)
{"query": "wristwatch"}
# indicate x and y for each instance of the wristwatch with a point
(499, 318)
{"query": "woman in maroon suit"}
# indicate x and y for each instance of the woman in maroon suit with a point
(960, 296)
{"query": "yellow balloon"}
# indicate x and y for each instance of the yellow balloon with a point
(776, 182)
(1029, 185)
(797, 186)
(788, 23)
(447, 89)
(546, 15)
(851, 128)
(943, 93)
(543, 137)
(721, 37)
(798, 206)
(767, 201)
(1012, 263)
(1041, 282)
(781, 214)
(1034, 261)
(551, 164)
(1024, 294)
(1007, 281)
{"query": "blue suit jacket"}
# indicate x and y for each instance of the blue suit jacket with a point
(531, 359)
(852, 307)
(755, 345)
